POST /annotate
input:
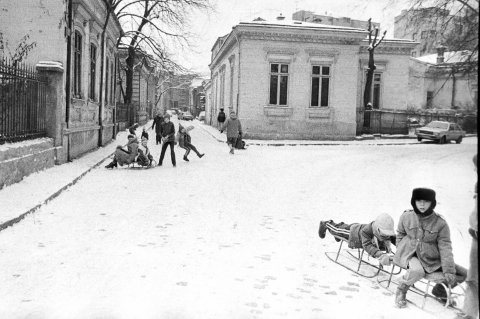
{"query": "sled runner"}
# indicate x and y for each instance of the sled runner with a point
(422, 290)
(358, 262)
(135, 165)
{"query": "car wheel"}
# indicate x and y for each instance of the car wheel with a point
(459, 139)
(419, 139)
(443, 140)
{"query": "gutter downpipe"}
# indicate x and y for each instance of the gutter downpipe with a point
(68, 73)
(238, 78)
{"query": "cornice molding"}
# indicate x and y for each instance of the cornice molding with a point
(298, 37)
(388, 50)
(315, 53)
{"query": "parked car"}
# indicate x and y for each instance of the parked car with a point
(201, 116)
(187, 116)
(442, 132)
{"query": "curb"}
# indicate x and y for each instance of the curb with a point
(15, 220)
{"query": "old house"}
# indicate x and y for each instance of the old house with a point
(442, 81)
(144, 89)
(65, 39)
(299, 80)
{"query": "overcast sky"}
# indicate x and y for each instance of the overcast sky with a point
(228, 13)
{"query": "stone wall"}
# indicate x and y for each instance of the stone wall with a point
(21, 159)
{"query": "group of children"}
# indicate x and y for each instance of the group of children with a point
(423, 246)
(165, 133)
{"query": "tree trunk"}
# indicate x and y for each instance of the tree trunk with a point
(129, 75)
(102, 65)
(369, 80)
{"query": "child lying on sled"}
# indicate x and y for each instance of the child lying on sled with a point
(375, 238)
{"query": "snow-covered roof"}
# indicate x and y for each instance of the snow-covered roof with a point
(286, 23)
(449, 57)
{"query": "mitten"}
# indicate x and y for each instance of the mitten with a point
(385, 260)
(450, 279)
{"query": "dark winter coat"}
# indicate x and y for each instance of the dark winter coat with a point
(362, 236)
(167, 130)
(157, 121)
(221, 117)
(127, 157)
(428, 238)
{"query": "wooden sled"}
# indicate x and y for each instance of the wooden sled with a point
(135, 165)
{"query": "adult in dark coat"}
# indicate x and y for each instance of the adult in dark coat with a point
(221, 117)
(157, 122)
(167, 131)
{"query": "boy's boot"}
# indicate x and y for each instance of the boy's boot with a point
(401, 296)
(231, 150)
(185, 159)
(322, 229)
(201, 155)
(112, 164)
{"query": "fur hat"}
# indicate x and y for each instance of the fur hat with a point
(385, 225)
(180, 127)
(131, 136)
(425, 194)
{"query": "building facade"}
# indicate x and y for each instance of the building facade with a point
(144, 87)
(174, 91)
(439, 81)
(66, 39)
(300, 80)
(430, 27)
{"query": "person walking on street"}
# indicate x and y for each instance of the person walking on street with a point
(221, 117)
(234, 130)
(167, 131)
(157, 122)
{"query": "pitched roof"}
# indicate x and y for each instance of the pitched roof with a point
(449, 57)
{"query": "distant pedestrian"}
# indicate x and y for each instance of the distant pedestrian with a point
(185, 141)
(144, 134)
(234, 130)
(470, 306)
(221, 117)
(157, 121)
(167, 131)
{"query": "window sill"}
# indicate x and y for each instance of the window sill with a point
(318, 112)
(278, 111)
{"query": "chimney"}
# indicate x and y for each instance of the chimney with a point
(280, 17)
(440, 54)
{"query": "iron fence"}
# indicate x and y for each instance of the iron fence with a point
(22, 102)
(398, 122)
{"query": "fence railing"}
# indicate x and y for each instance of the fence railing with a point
(22, 102)
(398, 122)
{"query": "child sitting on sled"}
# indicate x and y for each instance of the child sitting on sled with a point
(424, 246)
(375, 237)
(144, 157)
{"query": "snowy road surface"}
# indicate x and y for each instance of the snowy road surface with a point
(225, 236)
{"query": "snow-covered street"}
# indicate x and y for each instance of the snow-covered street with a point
(225, 236)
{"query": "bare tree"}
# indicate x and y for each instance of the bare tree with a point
(451, 23)
(372, 44)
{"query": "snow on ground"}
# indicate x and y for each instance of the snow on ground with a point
(225, 236)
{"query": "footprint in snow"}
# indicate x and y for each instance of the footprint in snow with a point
(348, 289)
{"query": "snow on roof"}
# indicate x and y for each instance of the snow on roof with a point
(299, 24)
(449, 57)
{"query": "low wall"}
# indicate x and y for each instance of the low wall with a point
(21, 159)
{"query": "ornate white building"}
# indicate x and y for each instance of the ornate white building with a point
(300, 80)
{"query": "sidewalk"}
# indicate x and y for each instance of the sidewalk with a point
(39, 188)
(359, 140)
